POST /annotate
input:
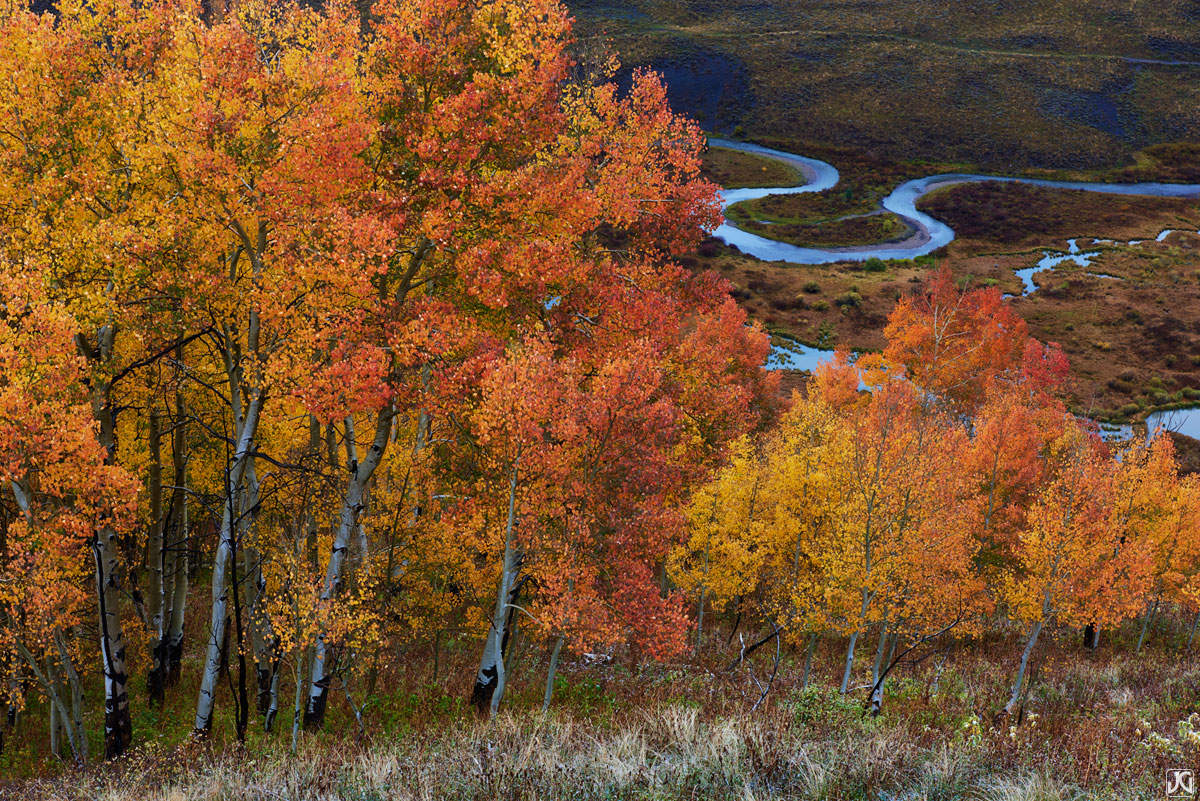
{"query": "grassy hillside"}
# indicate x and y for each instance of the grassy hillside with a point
(1104, 725)
(1074, 84)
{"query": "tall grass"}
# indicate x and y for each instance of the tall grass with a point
(1104, 726)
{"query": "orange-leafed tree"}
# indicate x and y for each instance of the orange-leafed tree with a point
(955, 342)
(1074, 561)
(54, 469)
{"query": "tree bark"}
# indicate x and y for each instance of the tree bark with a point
(118, 727)
(179, 542)
(808, 660)
(156, 551)
(235, 474)
(491, 679)
(1019, 683)
(352, 508)
(76, 721)
(50, 685)
(558, 644)
(849, 663)
(1146, 624)
(880, 649)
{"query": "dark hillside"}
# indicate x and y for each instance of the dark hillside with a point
(1073, 84)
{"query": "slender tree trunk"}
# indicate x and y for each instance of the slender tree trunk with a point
(314, 445)
(156, 552)
(298, 709)
(558, 644)
(491, 679)
(79, 740)
(880, 650)
(881, 678)
(50, 685)
(939, 666)
(56, 719)
(895, 640)
(1019, 683)
(118, 726)
(180, 542)
(1146, 624)
(273, 697)
(1192, 636)
(242, 706)
(849, 663)
(808, 659)
(352, 507)
(235, 474)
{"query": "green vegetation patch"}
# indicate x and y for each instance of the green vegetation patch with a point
(735, 169)
(859, 230)
(809, 207)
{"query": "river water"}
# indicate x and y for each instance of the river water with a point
(930, 234)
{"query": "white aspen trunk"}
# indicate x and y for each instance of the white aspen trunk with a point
(179, 587)
(937, 676)
(849, 663)
(180, 541)
(262, 638)
(273, 705)
(118, 727)
(235, 475)
(56, 717)
(558, 644)
(156, 550)
(882, 667)
(490, 681)
(1146, 625)
(257, 622)
(58, 708)
(1011, 706)
(808, 660)
(79, 738)
(298, 709)
(879, 651)
(352, 507)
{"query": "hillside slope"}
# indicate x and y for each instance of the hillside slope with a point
(1073, 84)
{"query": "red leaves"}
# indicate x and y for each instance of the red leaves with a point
(954, 342)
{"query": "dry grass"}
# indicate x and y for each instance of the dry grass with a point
(1102, 726)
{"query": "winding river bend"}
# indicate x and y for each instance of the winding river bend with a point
(929, 234)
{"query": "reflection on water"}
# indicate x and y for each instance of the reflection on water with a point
(1051, 260)
(787, 354)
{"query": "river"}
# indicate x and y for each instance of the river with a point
(929, 235)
